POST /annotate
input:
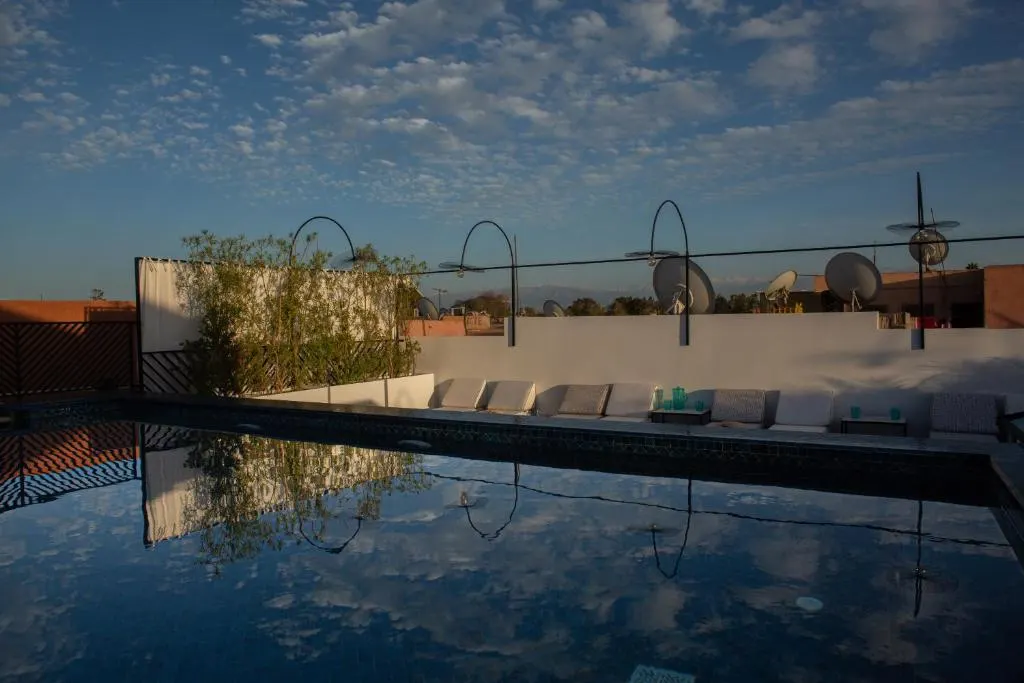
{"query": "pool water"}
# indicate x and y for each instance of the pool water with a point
(245, 558)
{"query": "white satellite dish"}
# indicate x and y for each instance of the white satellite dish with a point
(552, 309)
(670, 287)
(853, 278)
(425, 308)
(929, 247)
(779, 288)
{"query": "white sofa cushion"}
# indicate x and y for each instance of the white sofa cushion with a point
(584, 399)
(511, 396)
(964, 413)
(804, 408)
(630, 400)
(463, 392)
(738, 405)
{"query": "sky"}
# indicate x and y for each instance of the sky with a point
(126, 125)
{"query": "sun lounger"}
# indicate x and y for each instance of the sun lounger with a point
(804, 411)
(629, 402)
(512, 397)
(463, 394)
(966, 417)
(584, 401)
(738, 409)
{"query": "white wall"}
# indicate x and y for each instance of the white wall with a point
(410, 392)
(845, 352)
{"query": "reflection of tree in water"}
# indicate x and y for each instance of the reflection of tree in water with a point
(256, 493)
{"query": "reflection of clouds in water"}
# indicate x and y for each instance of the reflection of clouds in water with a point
(567, 592)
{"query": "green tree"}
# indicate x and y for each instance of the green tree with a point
(492, 303)
(633, 305)
(271, 321)
(529, 312)
(585, 306)
(736, 303)
(972, 266)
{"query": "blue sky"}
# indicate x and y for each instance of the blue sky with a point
(127, 125)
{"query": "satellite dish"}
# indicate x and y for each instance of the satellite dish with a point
(929, 247)
(853, 278)
(670, 287)
(552, 309)
(779, 288)
(426, 309)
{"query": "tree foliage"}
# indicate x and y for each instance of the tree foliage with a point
(972, 266)
(254, 494)
(736, 303)
(271, 321)
(633, 305)
(492, 303)
(585, 306)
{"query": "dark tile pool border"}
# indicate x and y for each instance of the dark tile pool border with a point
(872, 465)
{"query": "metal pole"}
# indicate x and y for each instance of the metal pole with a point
(512, 256)
(920, 265)
(686, 262)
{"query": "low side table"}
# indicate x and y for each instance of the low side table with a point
(682, 417)
(876, 425)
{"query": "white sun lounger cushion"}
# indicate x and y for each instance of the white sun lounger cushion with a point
(584, 399)
(463, 392)
(804, 408)
(512, 397)
(630, 400)
(964, 413)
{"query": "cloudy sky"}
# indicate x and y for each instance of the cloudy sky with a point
(126, 124)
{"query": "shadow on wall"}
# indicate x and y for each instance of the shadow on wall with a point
(997, 376)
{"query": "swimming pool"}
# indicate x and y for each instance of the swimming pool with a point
(227, 556)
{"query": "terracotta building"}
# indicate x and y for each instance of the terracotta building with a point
(983, 297)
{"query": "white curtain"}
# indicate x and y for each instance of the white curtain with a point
(163, 321)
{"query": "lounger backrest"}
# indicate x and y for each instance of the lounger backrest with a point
(463, 392)
(584, 399)
(804, 408)
(738, 405)
(630, 400)
(964, 413)
(512, 397)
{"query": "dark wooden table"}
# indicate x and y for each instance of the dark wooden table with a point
(688, 416)
(877, 425)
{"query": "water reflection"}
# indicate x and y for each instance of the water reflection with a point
(351, 564)
(245, 494)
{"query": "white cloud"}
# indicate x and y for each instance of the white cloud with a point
(5, 101)
(268, 10)
(786, 68)
(547, 5)
(782, 23)
(909, 28)
(199, 71)
(160, 79)
(225, 60)
(32, 97)
(69, 98)
(655, 21)
(271, 40)
(242, 130)
(706, 8)
(587, 26)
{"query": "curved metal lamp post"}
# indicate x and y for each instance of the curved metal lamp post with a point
(354, 258)
(335, 550)
(461, 267)
(493, 536)
(653, 255)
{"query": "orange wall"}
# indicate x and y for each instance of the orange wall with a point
(1004, 296)
(452, 326)
(12, 311)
